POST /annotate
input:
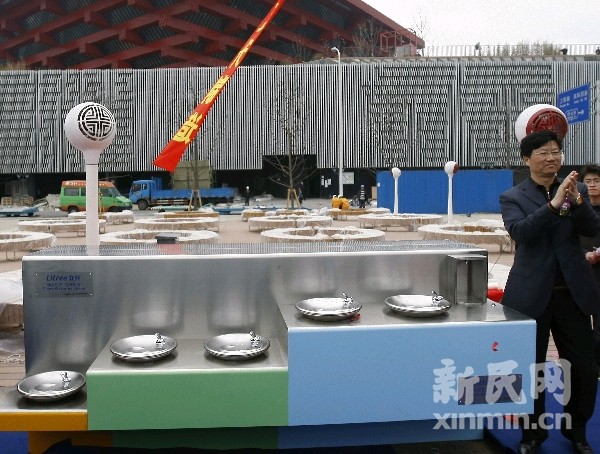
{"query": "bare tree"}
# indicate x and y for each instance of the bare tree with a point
(197, 171)
(206, 154)
(522, 48)
(291, 163)
(13, 65)
(300, 52)
(297, 52)
(421, 27)
(366, 38)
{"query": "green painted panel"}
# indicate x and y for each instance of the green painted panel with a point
(218, 438)
(187, 399)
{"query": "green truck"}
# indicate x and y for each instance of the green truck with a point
(72, 197)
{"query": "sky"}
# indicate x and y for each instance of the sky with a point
(461, 22)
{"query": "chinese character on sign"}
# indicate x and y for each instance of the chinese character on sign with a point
(552, 376)
(575, 104)
(185, 132)
(502, 379)
(444, 387)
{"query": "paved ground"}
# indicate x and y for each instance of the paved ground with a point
(233, 230)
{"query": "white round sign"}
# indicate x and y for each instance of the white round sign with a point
(90, 126)
(451, 167)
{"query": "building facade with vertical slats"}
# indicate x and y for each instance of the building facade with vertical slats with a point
(414, 113)
(409, 113)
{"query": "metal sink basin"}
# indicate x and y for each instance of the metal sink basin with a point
(143, 348)
(329, 309)
(49, 386)
(237, 346)
(418, 305)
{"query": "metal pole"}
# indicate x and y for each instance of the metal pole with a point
(92, 233)
(396, 174)
(340, 126)
(450, 210)
(450, 168)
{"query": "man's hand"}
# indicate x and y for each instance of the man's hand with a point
(566, 191)
(593, 257)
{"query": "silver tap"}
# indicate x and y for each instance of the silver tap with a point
(160, 341)
(66, 381)
(348, 300)
(436, 299)
(254, 340)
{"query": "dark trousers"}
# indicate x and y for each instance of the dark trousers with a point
(572, 333)
(596, 339)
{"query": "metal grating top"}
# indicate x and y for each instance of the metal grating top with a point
(259, 248)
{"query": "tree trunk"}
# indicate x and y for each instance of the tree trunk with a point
(290, 176)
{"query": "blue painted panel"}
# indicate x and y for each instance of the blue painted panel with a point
(14, 442)
(426, 191)
(371, 434)
(376, 374)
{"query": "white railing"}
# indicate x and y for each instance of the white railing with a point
(508, 50)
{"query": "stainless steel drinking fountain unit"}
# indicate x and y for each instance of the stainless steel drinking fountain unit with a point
(76, 303)
(315, 373)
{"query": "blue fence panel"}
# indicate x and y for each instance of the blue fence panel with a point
(426, 191)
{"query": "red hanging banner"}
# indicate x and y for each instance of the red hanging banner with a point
(170, 156)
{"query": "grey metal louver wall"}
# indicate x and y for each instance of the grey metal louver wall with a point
(408, 113)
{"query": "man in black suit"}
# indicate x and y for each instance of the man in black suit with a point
(591, 245)
(551, 281)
